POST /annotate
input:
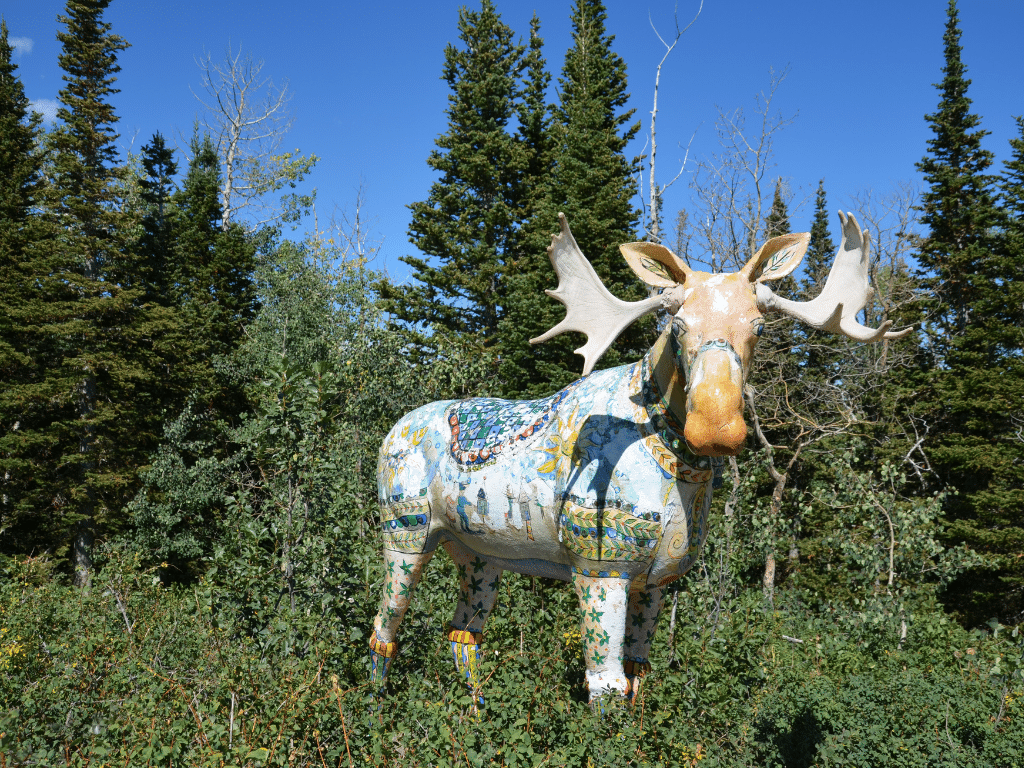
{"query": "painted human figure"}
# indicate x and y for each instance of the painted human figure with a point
(481, 504)
(524, 513)
(462, 509)
(511, 501)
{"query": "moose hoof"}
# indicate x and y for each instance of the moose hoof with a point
(600, 684)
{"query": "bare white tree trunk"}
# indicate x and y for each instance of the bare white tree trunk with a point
(247, 117)
(656, 192)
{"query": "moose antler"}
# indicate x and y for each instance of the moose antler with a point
(846, 292)
(589, 307)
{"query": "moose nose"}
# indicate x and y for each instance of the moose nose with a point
(714, 419)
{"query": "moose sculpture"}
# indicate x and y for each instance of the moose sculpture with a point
(606, 484)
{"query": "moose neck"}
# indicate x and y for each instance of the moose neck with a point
(667, 376)
(664, 398)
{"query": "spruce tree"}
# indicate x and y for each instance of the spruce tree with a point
(468, 225)
(592, 182)
(820, 250)
(99, 393)
(973, 347)
(818, 359)
(777, 221)
(20, 182)
(157, 187)
(212, 271)
(28, 295)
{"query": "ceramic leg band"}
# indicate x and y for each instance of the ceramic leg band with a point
(381, 654)
(635, 670)
(466, 651)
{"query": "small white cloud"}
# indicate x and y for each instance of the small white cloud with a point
(21, 45)
(46, 107)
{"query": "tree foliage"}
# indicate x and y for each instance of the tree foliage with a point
(590, 180)
(469, 224)
(974, 343)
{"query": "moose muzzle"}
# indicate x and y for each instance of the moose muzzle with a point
(714, 418)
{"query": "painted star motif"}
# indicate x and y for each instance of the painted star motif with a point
(629, 640)
(475, 584)
(585, 593)
(598, 658)
(595, 615)
(462, 572)
(478, 564)
(407, 568)
(638, 619)
(493, 586)
(645, 599)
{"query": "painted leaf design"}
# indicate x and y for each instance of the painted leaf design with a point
(656, 268)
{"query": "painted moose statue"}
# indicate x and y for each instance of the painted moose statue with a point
(606, 484)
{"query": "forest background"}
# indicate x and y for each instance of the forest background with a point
(199, 367)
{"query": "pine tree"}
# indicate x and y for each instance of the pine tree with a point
(819, 360)
(535, 117)
(820, 250)
(212, 275)
(28, 295)
(973, 347)
(777, 221)
(20, 183)
(592, 182)
(157, 187)
(98, 397)
(469, 223)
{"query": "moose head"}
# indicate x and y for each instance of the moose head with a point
(716, 320)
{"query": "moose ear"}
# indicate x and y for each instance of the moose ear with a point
(777, 258)
(655, 264)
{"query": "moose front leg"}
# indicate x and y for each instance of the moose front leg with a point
(641, 622)
(603, 603)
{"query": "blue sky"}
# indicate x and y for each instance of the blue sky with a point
(368, 99)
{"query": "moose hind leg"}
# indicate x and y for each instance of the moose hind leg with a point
(402, 572)
(641, 621)
(603, 625)
(478, 592)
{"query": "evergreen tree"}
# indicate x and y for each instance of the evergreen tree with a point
(95, 403)
(777, 221)
(20, 182)
(157, 187)
(592, 182)
(81, 199)
(974, 347)
(469, 223)
(819, 360)
(212, 275)
(535, 118)
(820, 250)
(28, 294)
